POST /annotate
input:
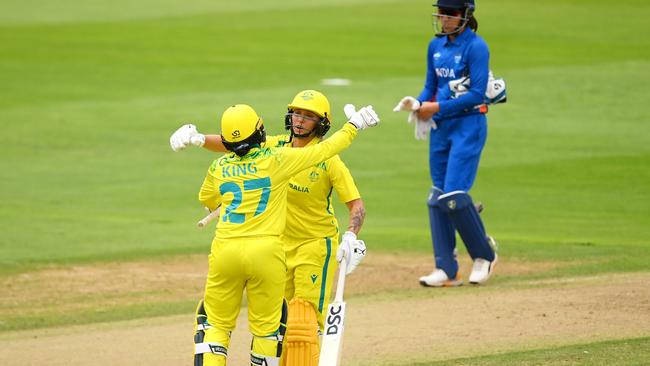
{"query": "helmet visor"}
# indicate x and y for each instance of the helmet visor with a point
(448, 21)
(302, 125)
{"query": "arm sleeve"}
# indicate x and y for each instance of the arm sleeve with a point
(209, 194)
(275, 141)
(342, 180)
(431, 83)
(478, 57)
(296, 160)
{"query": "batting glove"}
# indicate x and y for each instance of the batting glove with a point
(408, 104)
(186, 135)
(352, 249)
(363, 118)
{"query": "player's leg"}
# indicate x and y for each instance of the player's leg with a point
(468, 141)
(443, 236)
(444, 246)
(315, 267)
(460, 208)
(265, 293)
(267, 350)
(290, 255)
(217, 314)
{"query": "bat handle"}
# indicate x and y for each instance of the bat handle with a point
(340, 285)
(206, 220)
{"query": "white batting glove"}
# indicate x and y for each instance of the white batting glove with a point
(408, 104)
(363, 118)
(186, 135)
(352, 249)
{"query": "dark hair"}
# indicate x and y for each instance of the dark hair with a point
(472, 23)
(242, 147)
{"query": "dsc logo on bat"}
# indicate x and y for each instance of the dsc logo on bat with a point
(335, 319)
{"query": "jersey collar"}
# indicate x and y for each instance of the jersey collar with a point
(467, 33)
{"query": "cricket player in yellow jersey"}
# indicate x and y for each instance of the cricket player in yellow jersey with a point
(311, 234)
(250, 185)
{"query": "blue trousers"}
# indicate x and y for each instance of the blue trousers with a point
(454, 152)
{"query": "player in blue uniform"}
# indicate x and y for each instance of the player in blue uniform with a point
(451, 107)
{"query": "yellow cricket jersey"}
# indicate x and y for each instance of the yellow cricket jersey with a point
(252, 189)
(310, 213)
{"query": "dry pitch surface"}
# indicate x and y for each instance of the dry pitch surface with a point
(390, 318)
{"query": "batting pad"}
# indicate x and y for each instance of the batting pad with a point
(443, 235)
(467, 221)
(301, 340)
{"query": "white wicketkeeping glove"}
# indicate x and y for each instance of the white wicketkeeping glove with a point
(408, 104)
(422, 127)
(186, 135)
(459, 87)
(495, 92)
(352, 249)
(362, 118)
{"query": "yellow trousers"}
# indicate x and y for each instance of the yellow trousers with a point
(311, 266)
(256, 265)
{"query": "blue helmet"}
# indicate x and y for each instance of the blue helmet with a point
(456, 4)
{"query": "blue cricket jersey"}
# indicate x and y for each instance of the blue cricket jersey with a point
(448, 60)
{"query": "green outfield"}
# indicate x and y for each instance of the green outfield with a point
(90, 93)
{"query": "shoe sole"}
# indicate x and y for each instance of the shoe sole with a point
(492, 264)
(445, 284)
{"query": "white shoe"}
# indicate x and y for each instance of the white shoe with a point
(438, 278)
(481, 270)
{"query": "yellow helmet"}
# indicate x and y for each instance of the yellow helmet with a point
(241, 129)
(313, 101)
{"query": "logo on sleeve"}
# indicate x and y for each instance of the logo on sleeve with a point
(314, 278)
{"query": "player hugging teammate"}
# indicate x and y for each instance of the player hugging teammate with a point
(279, 175)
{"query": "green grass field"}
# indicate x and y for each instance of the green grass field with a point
(90, 93)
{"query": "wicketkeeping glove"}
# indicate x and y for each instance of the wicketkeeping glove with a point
(422, 127)
(408, 104)
(352, 249)
(186, 135)
(495, 91)
(363, 118)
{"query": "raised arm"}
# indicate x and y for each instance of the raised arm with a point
(188, 135)
(213, 143)
(296, 160)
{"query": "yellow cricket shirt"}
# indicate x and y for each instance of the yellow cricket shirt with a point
(310, 213)
(252, 189)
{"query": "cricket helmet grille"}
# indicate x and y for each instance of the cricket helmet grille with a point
(313, 101)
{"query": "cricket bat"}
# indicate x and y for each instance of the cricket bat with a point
(332, 341)
(211, 216)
